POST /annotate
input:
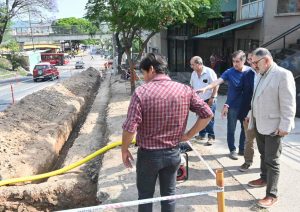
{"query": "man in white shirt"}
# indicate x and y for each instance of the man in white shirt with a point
(201, 77)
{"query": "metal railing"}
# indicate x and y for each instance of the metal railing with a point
(282, 36)
(252, 10)
(52, 30)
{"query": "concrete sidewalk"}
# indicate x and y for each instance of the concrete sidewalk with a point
(117, 184)
(290, 163)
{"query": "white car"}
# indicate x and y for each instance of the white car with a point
(79, 64)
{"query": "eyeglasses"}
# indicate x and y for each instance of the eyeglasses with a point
(256, 62)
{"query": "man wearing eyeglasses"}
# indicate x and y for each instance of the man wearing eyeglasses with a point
(232, 106)
(272, 117)
(201, 77)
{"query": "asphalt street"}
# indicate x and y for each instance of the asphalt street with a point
(24, 86)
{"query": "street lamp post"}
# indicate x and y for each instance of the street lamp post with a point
(31, 29)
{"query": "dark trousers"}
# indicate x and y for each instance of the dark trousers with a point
(232, 118)
(270, 149)
(152, 164)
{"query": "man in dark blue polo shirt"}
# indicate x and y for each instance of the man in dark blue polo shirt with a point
(233, 103)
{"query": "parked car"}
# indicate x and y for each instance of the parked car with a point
(45, 71)
(79, 64)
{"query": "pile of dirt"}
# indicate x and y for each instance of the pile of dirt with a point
(33, 131)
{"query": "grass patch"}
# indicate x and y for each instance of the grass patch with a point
(5, 70)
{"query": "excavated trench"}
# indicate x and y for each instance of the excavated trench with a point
(50, 129)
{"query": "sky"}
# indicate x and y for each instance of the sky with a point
(71, 8)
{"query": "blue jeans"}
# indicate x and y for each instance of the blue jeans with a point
(152, 164)
(209, 129)
(232, 118)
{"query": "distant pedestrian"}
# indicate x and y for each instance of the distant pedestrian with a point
(158, 112)
(232, 105)
(200, 78)
(272, 118)
(92, 57)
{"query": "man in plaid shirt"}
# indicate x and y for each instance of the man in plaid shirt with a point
(158, 112)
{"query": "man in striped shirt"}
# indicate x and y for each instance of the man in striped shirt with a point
(158, 112)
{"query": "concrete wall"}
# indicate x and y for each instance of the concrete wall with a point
(271, 26)
(159, 42)
(274, 25)
(254, 32)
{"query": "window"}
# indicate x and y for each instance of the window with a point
(288, 6)
(248, 1)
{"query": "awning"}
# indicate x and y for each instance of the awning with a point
(230, 27)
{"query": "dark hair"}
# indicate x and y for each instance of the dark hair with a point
(240, 53)
(156, 61)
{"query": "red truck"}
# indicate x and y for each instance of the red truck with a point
(45, 71)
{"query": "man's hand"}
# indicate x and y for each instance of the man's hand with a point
(127, 158)
(201, 90)
(247, 119)
(281, 133)
(210, 102)
(224, 112)
(185, 137)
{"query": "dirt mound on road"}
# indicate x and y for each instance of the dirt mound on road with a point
(33, 131)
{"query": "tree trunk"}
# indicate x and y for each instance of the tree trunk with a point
(131, 65)
(120, 54)
(2, 30)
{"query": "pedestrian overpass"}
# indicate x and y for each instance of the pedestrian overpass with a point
(55, 34)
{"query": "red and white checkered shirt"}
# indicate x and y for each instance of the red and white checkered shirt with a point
(159, 110)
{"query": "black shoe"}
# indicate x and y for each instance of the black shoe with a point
(245, 167)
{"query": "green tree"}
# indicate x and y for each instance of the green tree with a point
(129, 18)
(13, 57)
(74, 25)
(12, 8)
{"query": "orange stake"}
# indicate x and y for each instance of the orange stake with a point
(220, 195)
(12, 94)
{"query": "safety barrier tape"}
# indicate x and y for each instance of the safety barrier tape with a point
(143, 201)
(152, 200)
(201, 158)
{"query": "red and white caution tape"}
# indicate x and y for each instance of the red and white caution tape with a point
(152, 200)
(143, 201)
(201, 158)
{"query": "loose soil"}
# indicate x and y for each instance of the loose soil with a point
(33, 133)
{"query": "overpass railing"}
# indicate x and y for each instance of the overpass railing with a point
(52, 30)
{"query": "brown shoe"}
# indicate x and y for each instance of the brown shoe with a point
(267, 202)
(257, 183)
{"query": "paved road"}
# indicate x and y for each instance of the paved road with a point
(290, 163)
(25, 85)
